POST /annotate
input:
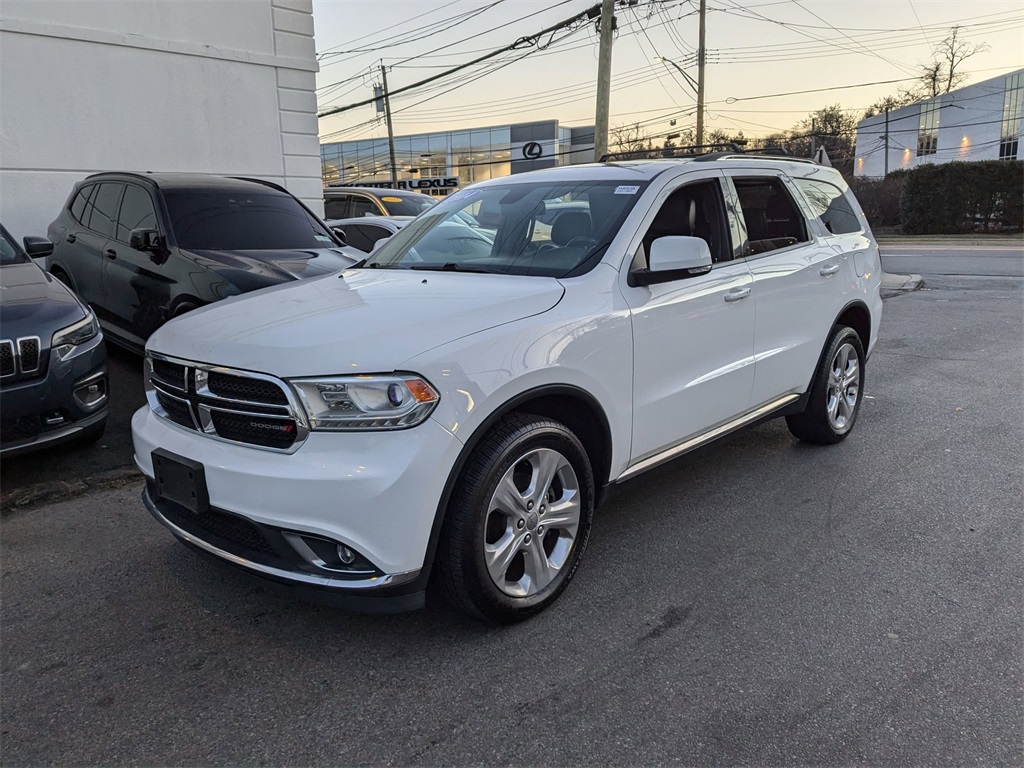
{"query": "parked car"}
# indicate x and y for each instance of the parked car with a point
(141, 248)
(53, 364)
(364, 233)
(356, 202)
(460, 235)
(460, 416)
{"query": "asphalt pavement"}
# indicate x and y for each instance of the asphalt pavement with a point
(951, 258)
(761, 602)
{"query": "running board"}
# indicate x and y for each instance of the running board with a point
(707, 437)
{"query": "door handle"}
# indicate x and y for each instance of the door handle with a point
(71, 238)
(110, 253)
(826, 271)
(736, 294)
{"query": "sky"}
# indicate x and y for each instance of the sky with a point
(756, 50)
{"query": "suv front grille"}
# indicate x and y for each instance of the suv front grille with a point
(226, 404)
(23, 357)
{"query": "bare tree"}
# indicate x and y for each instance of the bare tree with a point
(630, 138)
(944, 73)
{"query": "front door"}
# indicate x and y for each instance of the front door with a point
(693, 338)
(136, 283)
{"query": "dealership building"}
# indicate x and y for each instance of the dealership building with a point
(441, 161)
(977, 122)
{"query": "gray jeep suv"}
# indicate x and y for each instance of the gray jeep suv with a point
(53, 364)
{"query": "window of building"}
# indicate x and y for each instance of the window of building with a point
(830, 206)
(771, 217)
(928, 129)
(1009, 139)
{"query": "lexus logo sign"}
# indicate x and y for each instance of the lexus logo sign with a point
(532, 150)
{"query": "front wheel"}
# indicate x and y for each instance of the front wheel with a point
(518, 521)
(836, 392)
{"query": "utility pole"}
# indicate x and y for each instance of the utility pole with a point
(886, 142)
(604, 79)
(814, 137)
(391, 130)
(701, 60)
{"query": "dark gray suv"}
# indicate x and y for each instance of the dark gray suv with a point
(53, 363)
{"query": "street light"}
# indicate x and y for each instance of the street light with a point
(697, 86)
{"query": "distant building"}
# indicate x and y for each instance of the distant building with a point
(178, 85)
(442, 161)
(976, 122)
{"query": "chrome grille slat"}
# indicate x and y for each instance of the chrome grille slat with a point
(29, 354)
(276, 423)
(22, 357)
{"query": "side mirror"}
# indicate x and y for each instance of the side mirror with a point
(37, 246)
(144, 239)
(341, 234)
(674, 258)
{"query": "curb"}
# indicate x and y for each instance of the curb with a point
(60, 490)
(895, 285)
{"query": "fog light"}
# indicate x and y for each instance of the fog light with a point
(346, 555)
(91, 394)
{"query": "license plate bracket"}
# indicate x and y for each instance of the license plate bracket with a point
(181, 480)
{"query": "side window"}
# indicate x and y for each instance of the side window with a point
(104, 212)
(362, 206)
(830, 206)
(137, 212)
(356, 237)
(78, 204)
(336, 208)
(773, 221)
(374, 234)
(695, 210)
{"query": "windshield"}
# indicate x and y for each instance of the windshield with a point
(243, 221)
(407, 205)
(541, 228)
(10, 253)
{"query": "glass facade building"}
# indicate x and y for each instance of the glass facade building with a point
(470, 155)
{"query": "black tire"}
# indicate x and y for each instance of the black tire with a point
(816, 425)
(61, 275)
(181, 309)
(90, 435)
(463, 572)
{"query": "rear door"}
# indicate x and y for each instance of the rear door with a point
(364, 205)
(136, 283)
(91, 247)
(796, 273)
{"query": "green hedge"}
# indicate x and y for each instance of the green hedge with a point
(880, 198)
(952, 198)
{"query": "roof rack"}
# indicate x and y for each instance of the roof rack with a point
(705, 153)
(691, 150)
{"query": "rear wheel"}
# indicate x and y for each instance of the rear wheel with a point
(518, 521)
(61, 275)
(836, 391)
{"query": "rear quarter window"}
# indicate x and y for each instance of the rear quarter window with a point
(830, 205)
(77, 207)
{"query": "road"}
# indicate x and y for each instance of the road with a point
(761, 602)
(1005, 260)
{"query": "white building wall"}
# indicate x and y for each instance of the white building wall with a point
(970, 123)
(219, 86)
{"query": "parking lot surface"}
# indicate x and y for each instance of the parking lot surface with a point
(761, 602)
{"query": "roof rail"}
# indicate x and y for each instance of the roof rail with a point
(691, 150)
(757, 154)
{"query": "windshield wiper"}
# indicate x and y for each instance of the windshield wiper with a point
(451, 266)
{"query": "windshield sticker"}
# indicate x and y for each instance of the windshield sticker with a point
(465, 194)
(391, 199)
(626, 190)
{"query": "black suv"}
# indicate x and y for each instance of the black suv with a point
(53, 365)
(141, 248)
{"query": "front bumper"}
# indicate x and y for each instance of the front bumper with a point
(49, 409)
(376, 493)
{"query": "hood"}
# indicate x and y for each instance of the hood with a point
(250, 269)
(34, 303)
(362, 321)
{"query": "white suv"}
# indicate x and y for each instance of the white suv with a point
(454, 410)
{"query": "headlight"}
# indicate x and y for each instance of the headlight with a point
(66, 339)
(366, 402)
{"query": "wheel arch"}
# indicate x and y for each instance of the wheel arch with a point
(575, 407)
(856, 315)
